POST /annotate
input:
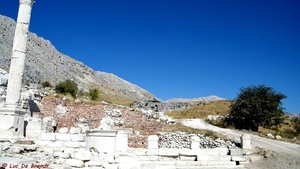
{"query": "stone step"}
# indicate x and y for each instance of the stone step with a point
(188, 165)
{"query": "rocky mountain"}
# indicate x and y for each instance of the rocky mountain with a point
(45, 63)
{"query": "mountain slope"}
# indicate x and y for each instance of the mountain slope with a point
(45, 63)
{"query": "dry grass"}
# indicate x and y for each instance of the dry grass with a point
(202, 110)
(110, 96)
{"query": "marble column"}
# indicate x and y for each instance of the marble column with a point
(18, 53)
(11, 114)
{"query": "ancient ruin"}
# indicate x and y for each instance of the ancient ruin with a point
(28, 140)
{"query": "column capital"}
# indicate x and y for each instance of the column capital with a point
(28, 2)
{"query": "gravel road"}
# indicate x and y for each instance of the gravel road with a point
(283, 155)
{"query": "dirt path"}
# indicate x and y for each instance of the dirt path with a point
(286, 155)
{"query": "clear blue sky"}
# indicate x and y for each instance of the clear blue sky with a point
(179, 48)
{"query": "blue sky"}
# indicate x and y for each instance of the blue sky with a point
(179, 48)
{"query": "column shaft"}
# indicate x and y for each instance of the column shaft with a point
(18, 53)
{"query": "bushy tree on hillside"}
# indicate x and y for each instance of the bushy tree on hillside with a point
(94, 94)
(67, 86)
(257, 106)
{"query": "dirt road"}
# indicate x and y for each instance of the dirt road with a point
(285, 155)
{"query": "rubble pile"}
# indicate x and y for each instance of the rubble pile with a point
(183, 140)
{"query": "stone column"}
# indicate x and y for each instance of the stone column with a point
(18, 53)
(11, 114)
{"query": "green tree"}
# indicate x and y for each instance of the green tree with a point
(94, 94)
(67, 86)
(257, 106)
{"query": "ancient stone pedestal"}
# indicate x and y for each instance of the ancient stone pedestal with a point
(121, 141)
(33, 128)
(102, 140)
(246, 142)
(153, 142)
(195, 141)
(12, 123)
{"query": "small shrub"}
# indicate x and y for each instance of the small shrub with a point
(46, 84)
(67, 86)
(94, 94)
(209, 133)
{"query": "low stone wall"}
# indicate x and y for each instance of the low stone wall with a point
(68, 148)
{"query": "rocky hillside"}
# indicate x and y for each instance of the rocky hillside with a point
(45, 63)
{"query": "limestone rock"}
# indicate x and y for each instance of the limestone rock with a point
(270, 135)
(74, 163)
(83, 155)
(62, 110)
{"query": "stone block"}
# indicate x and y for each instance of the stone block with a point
(74, 163)
(16, 149)
(102, 140)
(83, 155)
(152, 152)
(246, 141)
(41, 143)
(140, 151)
(77, 137)
(240, 152)
(75, 130)
(195, 142)
(214, 151)
(169, 152)
(56, 144)
(48, 151)
(62, 137)
(224, 158)
(238, 158)
(72, 144)
(33, 128)
(213, 158)
(63, 130)
(48, 136)
(127, 161)
(188, 152)
(121, 141)
(95, 164)
(153, 142)
(131, 150)
(30, 147)
(187, 158)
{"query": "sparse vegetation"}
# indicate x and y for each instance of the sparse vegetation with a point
(296, 123)
(46, 84)
(67, 86)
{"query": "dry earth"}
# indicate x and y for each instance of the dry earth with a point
(282, 155)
